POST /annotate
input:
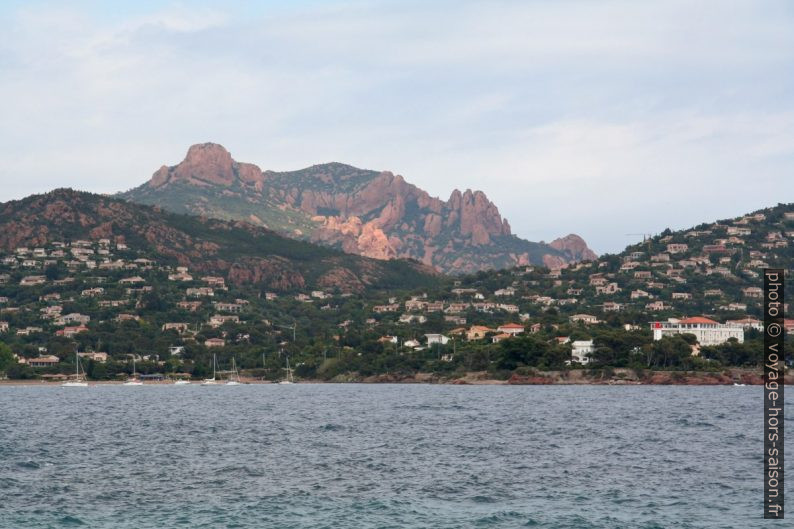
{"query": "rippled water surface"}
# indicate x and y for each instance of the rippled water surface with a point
(385, 456)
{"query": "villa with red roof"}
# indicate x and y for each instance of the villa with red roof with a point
(510, 328)
(707, 331)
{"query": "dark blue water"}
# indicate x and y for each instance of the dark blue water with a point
(385, 456)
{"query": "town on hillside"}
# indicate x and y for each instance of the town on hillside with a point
(687, 300)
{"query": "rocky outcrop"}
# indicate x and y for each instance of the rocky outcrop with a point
(574, 248)
(369, 213)
(209, 164)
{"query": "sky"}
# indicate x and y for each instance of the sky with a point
(603, 118)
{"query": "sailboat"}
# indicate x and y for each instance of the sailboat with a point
(234, 378)
(134, 381)
(78, 382)
(211, 381)
(287, 380)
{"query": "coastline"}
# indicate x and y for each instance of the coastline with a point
(610, 377)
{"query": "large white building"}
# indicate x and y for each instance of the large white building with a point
(707, 332)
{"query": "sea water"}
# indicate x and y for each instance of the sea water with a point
(381, 456)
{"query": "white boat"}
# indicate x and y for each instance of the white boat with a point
(211, 381)
(234, 378)
(287, 380)
(739, 385)
(134, 381)
(181, 382)
(78, 382)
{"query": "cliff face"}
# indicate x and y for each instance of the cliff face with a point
(369, 213)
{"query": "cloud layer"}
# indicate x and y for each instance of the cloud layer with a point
(600, 118)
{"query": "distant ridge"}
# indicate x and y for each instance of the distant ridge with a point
(370, 213)
(240, 252)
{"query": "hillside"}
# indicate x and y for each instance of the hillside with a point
(712, 269)
(370, 213)
(114, 280)
(238, 251)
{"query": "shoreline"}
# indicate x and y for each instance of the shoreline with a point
(613, 377)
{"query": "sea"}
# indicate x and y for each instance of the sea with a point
(382, 456)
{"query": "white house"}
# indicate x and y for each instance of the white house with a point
(581, 351)
(436, 338)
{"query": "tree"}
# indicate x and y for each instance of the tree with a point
(6, 357)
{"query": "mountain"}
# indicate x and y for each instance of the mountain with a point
(369, 213)
(239, 251)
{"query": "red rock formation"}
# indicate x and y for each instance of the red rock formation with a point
(374, 214)
(209, 164)
(574, 247)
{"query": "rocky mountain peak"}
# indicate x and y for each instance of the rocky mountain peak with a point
(208, 164)
(574, 247)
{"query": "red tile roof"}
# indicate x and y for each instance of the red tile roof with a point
(698, 319)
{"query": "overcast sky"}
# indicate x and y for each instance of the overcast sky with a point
(602, 118)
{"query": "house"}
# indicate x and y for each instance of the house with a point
(228, 307)
(180, 276)
(677, 248)
(610, 288)
(387, 339)
(748, 323)
(753, 292)
(96, 357)
(477, 332)
(190, 306)
(707, 331)
(410, 318)
(214, 342)
(41, 361)
(29, 281)
(199, 292)
(175, 326)
(656, 305)
(213, 281)
(131, 280)
(218, 320)
(74, 317)
(433, 339)
(411, 343)
(642, 274)
(581, 351)
(637, 294)
(509, 291)
(510, 328)
(739, 307)
(611, 306)
(3, 326)
(391, 307)
(587, 319)
(500, 337)
(713, 293)
(456, 308)
(127, 317)
(92, 292)
(455, 320)
(70, 332)
(682, 295)
(415, 304)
